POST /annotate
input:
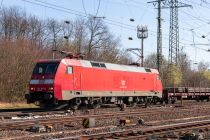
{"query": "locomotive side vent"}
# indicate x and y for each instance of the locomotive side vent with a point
(103, 65)
(95, 64)
(147, 69)
(99, 65)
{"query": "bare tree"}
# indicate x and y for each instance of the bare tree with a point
(25, 38)
(185, 66)
(36, 31)
(97, 32)
(55, 37)
(79, 36)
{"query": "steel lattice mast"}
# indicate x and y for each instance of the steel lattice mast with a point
(174, 5)
(173, 33)
(158, 4)
(174, 29)
(159, 38)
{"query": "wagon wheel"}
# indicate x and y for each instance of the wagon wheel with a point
(197, 99)
(173, 102)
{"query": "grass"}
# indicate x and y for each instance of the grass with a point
(4, 105)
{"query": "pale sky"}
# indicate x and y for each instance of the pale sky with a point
(118, 12)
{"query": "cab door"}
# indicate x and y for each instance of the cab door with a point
(69, 79)
(77, 80)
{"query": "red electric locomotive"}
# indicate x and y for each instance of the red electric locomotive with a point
(74, 82)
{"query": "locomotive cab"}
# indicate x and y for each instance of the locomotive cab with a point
(41, 86)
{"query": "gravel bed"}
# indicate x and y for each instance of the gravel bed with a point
(194, 112)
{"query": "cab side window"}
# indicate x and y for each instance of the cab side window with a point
(69, 70)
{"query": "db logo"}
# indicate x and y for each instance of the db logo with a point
(123, 82)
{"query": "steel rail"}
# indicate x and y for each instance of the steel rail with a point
(144, 133)
(23, 124)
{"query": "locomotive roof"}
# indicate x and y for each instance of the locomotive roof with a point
(110, 66)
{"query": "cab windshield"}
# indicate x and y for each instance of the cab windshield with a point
(46, 68)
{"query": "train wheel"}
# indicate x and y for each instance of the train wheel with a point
(154, 101)
(95, 106)
(149, 101)
(134, 104)
(75, 103)
(75, 107)
(146, 102)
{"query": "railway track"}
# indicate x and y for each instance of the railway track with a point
(31, 113)
(125, 133)
(144, 133)
(135, 115)
(158, 116)
(27, 112)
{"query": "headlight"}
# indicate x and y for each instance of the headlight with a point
(32, 89)
(51, 88)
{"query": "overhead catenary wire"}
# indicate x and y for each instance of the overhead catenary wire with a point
(108, 21)
(197, 21)
(1, 4)
(199, 27)
(71, 11)
(99, 3)
(74, 12)
(78, 13)
(83, 5)
(205, 21)
(126, 4)
(61, 7)
(54, 8)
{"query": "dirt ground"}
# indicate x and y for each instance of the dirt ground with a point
(4, 105)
